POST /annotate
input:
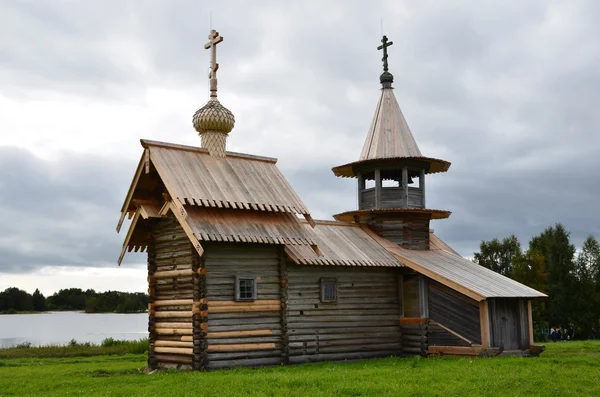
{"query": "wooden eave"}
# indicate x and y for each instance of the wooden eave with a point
(365, 215)
(456, 272)
(429, 164)
(126, 207)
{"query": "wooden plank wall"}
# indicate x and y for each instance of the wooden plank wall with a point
(454, 311)
(171, 296)
(410, 232)
(243, 333)
(414, 336)
(363, 323)
(509, 324)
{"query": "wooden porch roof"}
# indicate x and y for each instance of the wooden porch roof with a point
(444, 265)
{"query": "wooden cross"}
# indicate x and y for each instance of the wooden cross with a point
(215, 39)
(384, 47)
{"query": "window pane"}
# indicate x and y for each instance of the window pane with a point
(329, 291)
(246, 287)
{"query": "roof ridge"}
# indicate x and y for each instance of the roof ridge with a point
(168, 145)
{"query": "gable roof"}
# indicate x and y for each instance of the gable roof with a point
(342, 244)
(192, 177)
(389, 135)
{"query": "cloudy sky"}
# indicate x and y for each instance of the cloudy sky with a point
(507, 91)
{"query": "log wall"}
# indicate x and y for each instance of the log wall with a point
(171, 291)
(363, 323)
(391, 197)
(243, 333)
(410, 231)
(454, 311)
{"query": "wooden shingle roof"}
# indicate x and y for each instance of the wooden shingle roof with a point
(342, 244)
(194, 178)
(444, 265)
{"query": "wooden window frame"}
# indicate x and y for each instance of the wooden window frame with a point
(323, 281)
(237, 289)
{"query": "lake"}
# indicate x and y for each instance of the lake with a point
(60, 327)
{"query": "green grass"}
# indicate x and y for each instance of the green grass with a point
(565, 369)
(109, 346)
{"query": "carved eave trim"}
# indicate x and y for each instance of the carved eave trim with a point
(181, 216)
(429, 164)
(365, 215)
(125, 209)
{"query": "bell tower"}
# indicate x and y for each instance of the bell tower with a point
(391, 174)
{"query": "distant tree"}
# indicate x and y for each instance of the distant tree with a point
(555, 247)
(586, 297)
(15, 299)
(498, 255)
(39, 301)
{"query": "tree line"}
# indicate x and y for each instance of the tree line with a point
(13, 300)
(551, 265)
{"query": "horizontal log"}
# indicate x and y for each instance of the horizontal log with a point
(174, 325)
(250, 362)
(165, 358)
(340, 356)
(419, 338)
(174, 350)
(240, 347)
(172, 274)
(173, 302)
(213, 303)
(173, 314)
(244, 355)
(171, 343)
(244, 309)
(239, 334)
(174, 331)
(411, 350)
(455, 350)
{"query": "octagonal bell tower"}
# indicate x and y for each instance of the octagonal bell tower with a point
(391, 174)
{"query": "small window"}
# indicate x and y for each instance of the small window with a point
(245, 289)
(329, 290)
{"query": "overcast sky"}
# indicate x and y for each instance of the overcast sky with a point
(507, 91)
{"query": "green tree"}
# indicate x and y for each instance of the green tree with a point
(39, 301)
(586, 296)
(497, 255)
(555, 247)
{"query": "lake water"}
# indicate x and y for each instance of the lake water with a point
(60, 327)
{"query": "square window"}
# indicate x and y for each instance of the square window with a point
(245, 289)
(329, 290)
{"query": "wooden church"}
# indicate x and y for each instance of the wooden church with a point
(240, 274)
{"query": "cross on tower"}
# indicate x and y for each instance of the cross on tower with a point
(384, 47)
(215, 39)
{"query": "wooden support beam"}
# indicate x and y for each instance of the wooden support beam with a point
(451, 331)
(484, 321)
(422, 187)
(377, 189)
(530, 322)
(361, 187)
(405, 186)
(456, 350)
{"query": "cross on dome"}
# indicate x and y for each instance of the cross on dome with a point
(215, 39)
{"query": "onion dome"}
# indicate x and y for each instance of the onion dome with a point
(213, 117)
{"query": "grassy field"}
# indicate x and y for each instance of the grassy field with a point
(565, 369)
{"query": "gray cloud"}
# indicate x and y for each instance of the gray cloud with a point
(507, 92)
